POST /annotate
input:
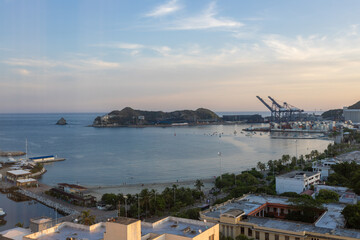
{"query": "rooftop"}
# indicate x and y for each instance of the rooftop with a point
(125, 221)
(19, 172)
(71, 230)
(15, 233)
(246, 204)
(332, 221)
(176, 226)
(26, 180)
(298, 174)
(41, 220)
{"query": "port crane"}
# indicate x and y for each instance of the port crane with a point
(282, 112)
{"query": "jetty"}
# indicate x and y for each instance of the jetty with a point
(11, 153)
(46, 159)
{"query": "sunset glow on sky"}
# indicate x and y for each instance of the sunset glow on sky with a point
(96, 56)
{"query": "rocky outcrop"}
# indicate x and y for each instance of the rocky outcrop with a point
(61, 121)
(131, 117)
(336, 114)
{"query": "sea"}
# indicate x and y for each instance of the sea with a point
(124, 155)
(115, 156)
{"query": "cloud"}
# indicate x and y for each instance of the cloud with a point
(80, 64)
(207, 20)
(120, 45)
(165, 9)
(22, 72)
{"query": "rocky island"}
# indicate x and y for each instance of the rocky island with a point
(131, 117)
(61, 121)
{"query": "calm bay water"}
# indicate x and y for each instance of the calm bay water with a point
(112, 156)
(23, 211)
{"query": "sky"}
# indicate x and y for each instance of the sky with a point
(97, 56)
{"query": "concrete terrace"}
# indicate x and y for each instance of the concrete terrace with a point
(176, 226)
(247, 204)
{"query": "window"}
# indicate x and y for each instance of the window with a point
(266, 236)
(276, 237)
(232, 232)
(249, 232)
(297, 238)
(275, 210)
(242, 230)
(287, 237)
(211, 237)
(282, 211)
(257, 235)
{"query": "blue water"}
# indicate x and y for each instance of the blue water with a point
(112, 156)
(22, 212)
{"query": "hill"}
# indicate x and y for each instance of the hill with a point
(130, 117)
(336, 114)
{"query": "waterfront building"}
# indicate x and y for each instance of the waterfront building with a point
(15, 175)
(263, 217)
(28, 182)
(296, 181)
(170, 228)
(351, 114)
(324, 167)
(75, 194)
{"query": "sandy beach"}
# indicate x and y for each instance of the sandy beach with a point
(98, 191)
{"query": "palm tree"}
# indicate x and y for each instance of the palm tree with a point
(86, 219)
(198, 184)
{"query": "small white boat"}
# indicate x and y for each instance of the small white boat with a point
(2, 213)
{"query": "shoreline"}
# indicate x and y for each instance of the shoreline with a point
(98, 190)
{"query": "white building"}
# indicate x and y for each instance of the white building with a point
(324, 166)
(296, 181)
(352, 114)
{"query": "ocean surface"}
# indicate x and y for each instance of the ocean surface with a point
(114, 156)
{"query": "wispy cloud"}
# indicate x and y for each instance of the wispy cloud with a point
(165, 9)
(120, 45)
(79, 64)
(206, 20)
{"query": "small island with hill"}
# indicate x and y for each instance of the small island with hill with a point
(128, 117)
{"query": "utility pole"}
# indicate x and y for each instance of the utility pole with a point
(138, 206)
(119, 210)
(219, 154)
(125, 206)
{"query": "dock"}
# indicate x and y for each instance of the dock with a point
(46, 159)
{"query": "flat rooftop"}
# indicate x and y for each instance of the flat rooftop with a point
(125, 221)
(349, 157)
(71, 232)
(176, 226)
(19, 172)
(246, 204)
(332, 221)
(298, 174)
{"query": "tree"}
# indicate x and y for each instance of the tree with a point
(261, 166)
(352, 215)
(19, 224)
(327, 196)
(86, 218)
(199, 184)
(242, 237)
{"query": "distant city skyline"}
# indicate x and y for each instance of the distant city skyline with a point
(97, 56)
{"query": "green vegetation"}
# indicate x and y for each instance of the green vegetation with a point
(307, 209)
(327, 196)
(37, 168)
(19, 224)
(86, 218)
(352, 215)
(347, 175)
(151, 203)
(192, 213)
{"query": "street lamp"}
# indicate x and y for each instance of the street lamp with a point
(219, 154)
